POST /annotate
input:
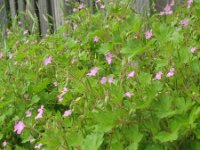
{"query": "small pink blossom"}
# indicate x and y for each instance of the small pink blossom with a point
(25, 32)
(96, 39)
(168, 10)
(81, 6)
(172, 3)
(60, 98)
(189, 2)
(1, 55)
(26, 95)
(4, 143)
(38, 146)
(111, 80)
(48, 60)
(98, 1)
(193, 49)
(128, 94)
(148, 34)
(67, 113)
(10, 56)
(75, 26)
(40, 112)
(170, 73)
(135, 64)
(19, 127)
(103, 80)
(19, 23)
(55, 84)
(75, 9)
(109, 58)
(131, 74)
(28, 113)
(102, 6)
(63, 92)
(93, 71)
(158, 75)
(184, 22)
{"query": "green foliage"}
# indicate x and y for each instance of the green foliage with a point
(158, 114)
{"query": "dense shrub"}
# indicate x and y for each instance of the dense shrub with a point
(111, 80)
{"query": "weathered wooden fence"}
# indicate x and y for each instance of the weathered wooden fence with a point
(44, 10)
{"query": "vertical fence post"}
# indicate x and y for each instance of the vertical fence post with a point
(57, 12)
(31, 17)
(3, 15)
(12, 8)
(43, 17)
(142, 7)
(21, 9)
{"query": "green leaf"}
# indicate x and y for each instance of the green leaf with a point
(92, 141)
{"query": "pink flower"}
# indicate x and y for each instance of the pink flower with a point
(75, 9)
(193, 49)
(65, 90)
(38, 146)
(148, 34)
(25, 32)
(102, 6)
(135, 64)
(67, 113)
(172, 3)
(26, 95)
(4, 143)
(19, 127)
(75, 26)
(131, 74)
(60, 98)
(81, 6)
(96, 39)
(184, 22)
(98, 1)
(1, 55)
(93, 71)
(55, 84)
(168, 10)
(158, 75)
(170, 73)
(48, 60)
(28, 113)
(162, 13)
(40, 112)
(103, 80)
(19, 23)
(10, 56)
(110, 80)
(109, 58)
(189, 2)
(128, 94)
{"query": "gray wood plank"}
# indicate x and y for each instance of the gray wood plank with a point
(43, 16)
(31, 15)
(142, 7)
(3, 15)
(57, 12)
(21, 10)
(12, 8)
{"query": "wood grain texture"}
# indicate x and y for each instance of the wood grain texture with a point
(3, 15)
(43, 17)
(12, 5)
(57, 12)
(21, 10)
(142, 6)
